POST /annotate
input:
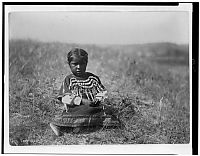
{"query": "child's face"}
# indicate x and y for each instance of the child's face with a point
(78, 66)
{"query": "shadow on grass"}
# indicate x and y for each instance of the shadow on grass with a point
(86, 130)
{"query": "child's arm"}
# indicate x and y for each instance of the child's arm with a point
(70, 99)
(101, 96)
(101, 93)
(66, 96)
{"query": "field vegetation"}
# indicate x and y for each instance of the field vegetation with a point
(148, 84)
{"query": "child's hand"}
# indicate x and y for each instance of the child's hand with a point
(101, 96)
(67, 99)
(77, 100)
(86, 101)
(71, 99)
(95, 103)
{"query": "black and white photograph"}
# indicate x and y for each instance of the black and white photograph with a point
(104, 79)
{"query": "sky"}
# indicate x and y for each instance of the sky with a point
(123, 27)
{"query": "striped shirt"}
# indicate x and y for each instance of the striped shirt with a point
(86, 87)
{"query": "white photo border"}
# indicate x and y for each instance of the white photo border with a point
(92, 149)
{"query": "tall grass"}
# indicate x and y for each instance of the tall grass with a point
(152, 99)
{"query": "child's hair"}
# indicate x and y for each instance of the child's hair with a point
(77, 52)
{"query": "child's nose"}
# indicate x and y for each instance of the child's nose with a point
(78, 66)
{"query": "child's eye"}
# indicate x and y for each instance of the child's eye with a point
(80, 63)
(73, 64)
(83, 63)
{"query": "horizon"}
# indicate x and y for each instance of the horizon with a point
(95, 44)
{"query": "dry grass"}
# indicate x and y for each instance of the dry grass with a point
(154, 96)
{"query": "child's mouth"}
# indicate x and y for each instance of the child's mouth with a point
(78, 72)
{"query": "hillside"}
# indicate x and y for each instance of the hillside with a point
(151, 79)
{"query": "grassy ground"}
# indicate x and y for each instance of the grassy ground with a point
(152, 80)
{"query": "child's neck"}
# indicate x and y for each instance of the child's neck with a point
(82, 76)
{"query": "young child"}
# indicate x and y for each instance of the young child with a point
(81, 92)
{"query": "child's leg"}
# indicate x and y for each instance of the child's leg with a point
(109, 110)
(85, 110)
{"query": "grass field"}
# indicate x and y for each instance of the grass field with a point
(151, 81)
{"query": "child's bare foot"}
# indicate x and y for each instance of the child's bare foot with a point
(55, 129)
(76, 129)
